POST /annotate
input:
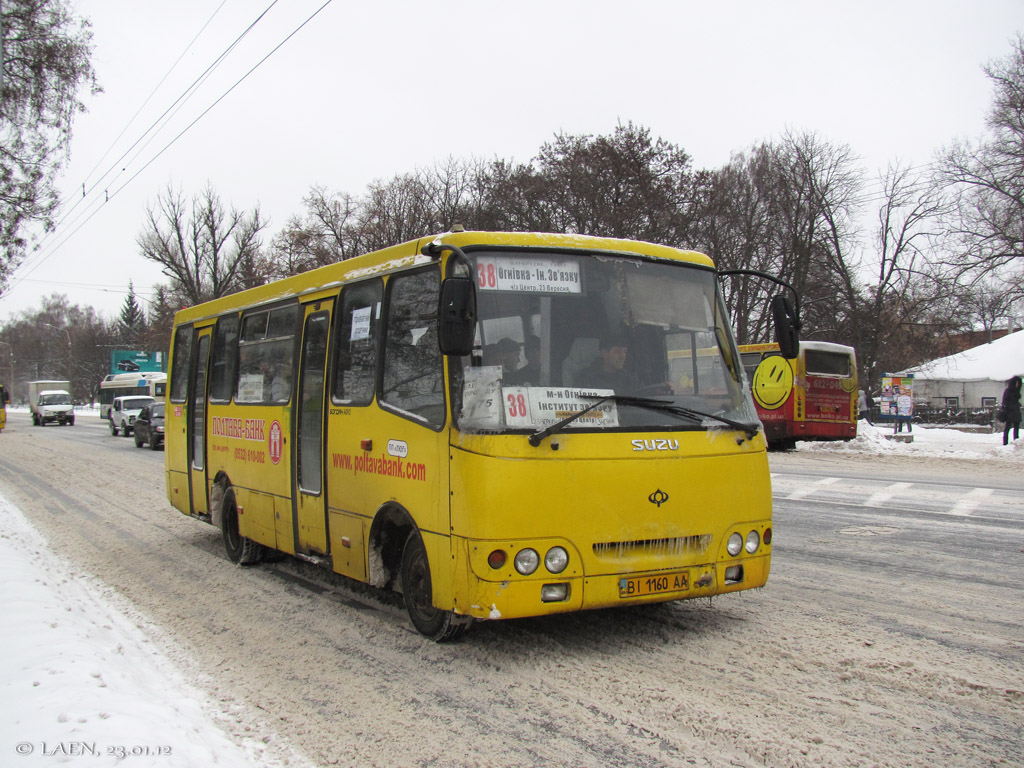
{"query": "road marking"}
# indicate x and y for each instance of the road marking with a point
(870, 530)
(879, 498)
(989, 503)
(807, 490)
(966, 506)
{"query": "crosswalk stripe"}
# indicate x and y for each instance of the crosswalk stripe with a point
(966, 505)
(879, 498)
(807, 490)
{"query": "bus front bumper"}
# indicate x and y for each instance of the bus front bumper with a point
(520, 598)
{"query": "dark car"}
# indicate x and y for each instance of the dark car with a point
(149, 426)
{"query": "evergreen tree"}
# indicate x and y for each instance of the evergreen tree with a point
(131, 323)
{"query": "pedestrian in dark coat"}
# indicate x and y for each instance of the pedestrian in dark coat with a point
(1011, 409)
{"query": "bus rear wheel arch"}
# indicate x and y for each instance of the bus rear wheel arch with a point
(240, 549)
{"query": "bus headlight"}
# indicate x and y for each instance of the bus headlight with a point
(753, 541)
(526, 561)
(556, 560)
(735, 545)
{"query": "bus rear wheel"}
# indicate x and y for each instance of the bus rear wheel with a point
(240, 549)
(417, 592)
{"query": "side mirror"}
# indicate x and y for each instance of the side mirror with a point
(787, 326)
(456, 316)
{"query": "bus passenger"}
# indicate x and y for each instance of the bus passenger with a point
(505, 352)
(281, 386)
(529, 374)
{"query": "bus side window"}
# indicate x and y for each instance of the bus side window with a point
(225, 353)
(180, 374)
(413, 374)
(266, 352)
(359, 331)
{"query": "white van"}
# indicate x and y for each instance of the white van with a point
(124, 410)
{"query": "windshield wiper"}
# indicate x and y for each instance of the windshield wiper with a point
(643, 402)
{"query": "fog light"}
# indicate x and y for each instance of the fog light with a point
(753, 541)
(556, 559)
(734, 574)
(527, 561)
(554, 593)
(497, 559)
(735, 544)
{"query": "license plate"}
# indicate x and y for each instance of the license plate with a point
(654, 584)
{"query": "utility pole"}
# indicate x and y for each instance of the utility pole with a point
(71, 360)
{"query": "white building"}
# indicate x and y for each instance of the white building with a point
(974, 378)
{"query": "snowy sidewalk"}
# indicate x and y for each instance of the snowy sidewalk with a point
(83, 685)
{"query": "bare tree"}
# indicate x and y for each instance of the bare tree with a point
(57, 341)
(205, 250)
(628, 184)
(819, 186)
(398, 210)
(448, 186)
(991, 303)
(509, 196)
(787, 208)
(907, 291)
(987, 177)
(735, 228)
(46, 60)
(327, 234)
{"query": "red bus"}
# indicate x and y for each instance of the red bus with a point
(813, 397)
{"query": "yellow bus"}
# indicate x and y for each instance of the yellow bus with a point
(496, 425)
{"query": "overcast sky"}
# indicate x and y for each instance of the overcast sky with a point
(367, 90)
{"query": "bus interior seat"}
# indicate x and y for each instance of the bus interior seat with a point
(582, 352)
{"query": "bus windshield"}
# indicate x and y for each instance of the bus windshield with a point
(556, 332)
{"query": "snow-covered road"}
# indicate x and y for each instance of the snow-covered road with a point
(85, 681)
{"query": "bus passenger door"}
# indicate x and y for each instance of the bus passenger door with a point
(310, 511)
(197, 426)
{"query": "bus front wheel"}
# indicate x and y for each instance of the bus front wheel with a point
(417, 592)
(240, 549)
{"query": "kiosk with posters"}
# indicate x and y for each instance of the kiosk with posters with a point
(897, 404)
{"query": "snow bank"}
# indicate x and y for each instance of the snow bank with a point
(928, 441)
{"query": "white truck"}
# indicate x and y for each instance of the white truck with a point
(51, 401)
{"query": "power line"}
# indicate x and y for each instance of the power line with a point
(44, 257)
(222, 96)
(170, 111)
(152, 93)
(107, 288)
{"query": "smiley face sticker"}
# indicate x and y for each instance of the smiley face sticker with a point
(773, 381)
